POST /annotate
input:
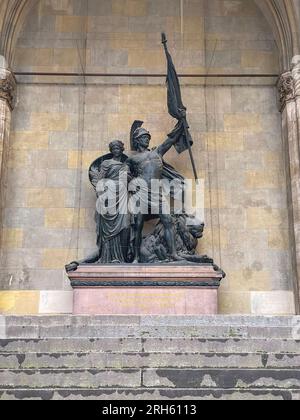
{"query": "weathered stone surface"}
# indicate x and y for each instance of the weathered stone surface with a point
(167, 359)
(19, 302)
(149, 345)
(273, 302)
(219, 345)
(12, 238)
(54, 302)
(153, 394)
(71, 345)
(156, 321)
(134, 365)
(87, 330)
(175, 378)
(69, 378)
(23, 217)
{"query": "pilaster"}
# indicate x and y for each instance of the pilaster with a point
(289, 106)
(7, 91)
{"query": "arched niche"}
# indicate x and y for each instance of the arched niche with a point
(13, 14)
(216, 101)
(283, 18)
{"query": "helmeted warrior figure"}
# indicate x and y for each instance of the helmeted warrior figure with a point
(145, 166)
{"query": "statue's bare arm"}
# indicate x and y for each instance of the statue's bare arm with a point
(166, 146)
(172, 138)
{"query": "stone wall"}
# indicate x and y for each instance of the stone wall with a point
(61, 124)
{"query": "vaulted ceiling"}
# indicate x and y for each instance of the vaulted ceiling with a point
(13, 14)
(282, 15)
(284, 19)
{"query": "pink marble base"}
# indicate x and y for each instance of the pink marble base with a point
(145, 301)
(145, 289)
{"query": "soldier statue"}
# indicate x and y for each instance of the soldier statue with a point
(148, 165)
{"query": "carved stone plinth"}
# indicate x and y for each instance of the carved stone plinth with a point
(145, 290)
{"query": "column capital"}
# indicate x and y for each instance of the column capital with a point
(8, 86)
(286, 89)
(296, 74)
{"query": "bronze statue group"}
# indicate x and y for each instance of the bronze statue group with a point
(126, 198)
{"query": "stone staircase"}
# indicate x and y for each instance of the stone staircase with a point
(149, 358)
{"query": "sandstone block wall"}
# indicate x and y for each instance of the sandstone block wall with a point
(61, 124)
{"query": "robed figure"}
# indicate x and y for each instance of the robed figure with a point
(109, 176)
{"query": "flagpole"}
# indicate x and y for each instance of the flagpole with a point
(184, 120)
(190, 150)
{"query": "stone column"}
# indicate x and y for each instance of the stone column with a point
(7, 89)
(289, 103)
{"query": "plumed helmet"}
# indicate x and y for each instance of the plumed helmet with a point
(136, 133)
(139, 132)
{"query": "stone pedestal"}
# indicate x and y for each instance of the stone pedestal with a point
(145, 290)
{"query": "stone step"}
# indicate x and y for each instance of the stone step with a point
(105, 394)
(219, 345)
(222, 378)
(149, 345)
(147, 360)
(70, 378)
(164, 331)
(151, 378)
(212, 320)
